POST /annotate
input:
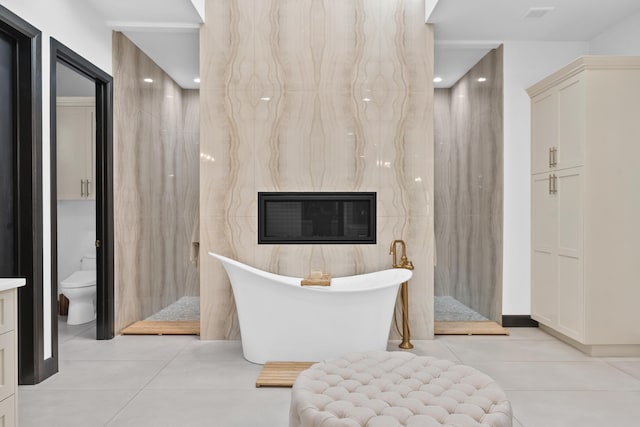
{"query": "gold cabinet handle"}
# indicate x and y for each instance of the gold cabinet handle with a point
(88, 192)
(82, 188)
(555, 184)
(550, 184)
(550, 157)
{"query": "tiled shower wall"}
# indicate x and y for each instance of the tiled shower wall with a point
(315, 95)
(156, 151)
(469, 188)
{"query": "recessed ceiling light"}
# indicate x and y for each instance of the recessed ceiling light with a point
(538, 12)
(366, 99)
(482, 79)
(265, 98)
(437, 79)
(196, 80)
(148, 80)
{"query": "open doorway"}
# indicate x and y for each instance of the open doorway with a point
(81, 193)
(76, 203)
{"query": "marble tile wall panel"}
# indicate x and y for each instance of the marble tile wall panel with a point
(315, 95)
(156, 159)
(442, 189)
(469, 188)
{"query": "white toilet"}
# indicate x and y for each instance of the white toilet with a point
(80, 289)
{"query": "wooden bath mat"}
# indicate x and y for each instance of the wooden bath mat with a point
(152, 327)
(280, 374)
(469, 328)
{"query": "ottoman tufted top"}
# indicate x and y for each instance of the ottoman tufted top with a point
(391, 389)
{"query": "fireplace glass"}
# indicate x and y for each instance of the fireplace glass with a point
(318, 217)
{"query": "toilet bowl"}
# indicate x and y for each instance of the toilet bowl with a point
(80, 289)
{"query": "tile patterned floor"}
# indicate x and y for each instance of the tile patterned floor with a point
(181, 381)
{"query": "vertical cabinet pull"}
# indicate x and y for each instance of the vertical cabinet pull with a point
(553, 184)
(84, 188)
(553, 157)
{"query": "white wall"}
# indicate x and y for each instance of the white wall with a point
(76, 234)
(525, 63)
(621, 39)
(77, 26)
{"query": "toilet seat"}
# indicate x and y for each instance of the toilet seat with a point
(80, 279)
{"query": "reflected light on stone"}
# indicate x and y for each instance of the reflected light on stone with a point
(207, 157)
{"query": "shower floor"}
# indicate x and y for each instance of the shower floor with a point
(185, 309)
(449, 309)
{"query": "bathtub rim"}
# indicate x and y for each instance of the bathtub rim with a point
(295, 281)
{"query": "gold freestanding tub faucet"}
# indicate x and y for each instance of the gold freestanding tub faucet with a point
(404, 263)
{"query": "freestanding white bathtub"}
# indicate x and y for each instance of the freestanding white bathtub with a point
(283, 321)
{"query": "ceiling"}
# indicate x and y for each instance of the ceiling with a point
(166, 30)
(465, 30)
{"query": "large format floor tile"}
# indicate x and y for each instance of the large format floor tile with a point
(631, 367)
(558, 376)
(576, 408)
(221, 351)
(470, 351)
(189, 408)
(207, 374)
(182, 381)
(103, 375)
(69, 408)
(125, 347)
(431, 348)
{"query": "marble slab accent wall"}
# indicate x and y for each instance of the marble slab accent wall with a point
(469, 188)
(156, 161)
(315, 95)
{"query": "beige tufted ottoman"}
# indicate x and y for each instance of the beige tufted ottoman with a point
(391, 389)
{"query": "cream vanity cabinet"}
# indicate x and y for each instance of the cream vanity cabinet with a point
(9, 350)
(75, 148)
(585, 204)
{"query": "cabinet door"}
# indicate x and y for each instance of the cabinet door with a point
(7, 364)
(75, 151)
(571, 301)
(571, 123)
(544, 130)
(544, 292)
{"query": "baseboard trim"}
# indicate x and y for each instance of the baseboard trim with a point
(518, 321)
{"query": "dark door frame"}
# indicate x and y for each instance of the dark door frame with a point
(32, 367)
(105, 319)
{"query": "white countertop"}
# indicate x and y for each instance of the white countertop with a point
(6, 284)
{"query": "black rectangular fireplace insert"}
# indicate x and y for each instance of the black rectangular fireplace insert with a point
(317, 217)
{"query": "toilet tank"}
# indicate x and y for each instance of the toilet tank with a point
(88, 261)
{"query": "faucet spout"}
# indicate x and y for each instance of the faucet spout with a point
(392, 251)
